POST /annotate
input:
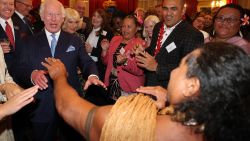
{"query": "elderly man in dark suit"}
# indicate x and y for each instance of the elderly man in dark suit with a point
(22, 9)
(52, 42)
(172, 39)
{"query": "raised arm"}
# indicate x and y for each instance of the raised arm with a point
(70, 106)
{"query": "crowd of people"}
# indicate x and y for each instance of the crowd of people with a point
(56, 81)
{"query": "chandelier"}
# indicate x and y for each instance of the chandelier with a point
(218, 3)
(109, 3)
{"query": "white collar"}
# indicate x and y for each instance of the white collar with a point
(171, 28)
(96, 29)
(3, 24)
(3, 21)
(19, 14)
(48, 34)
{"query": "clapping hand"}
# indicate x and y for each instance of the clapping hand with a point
(137, 49)
(121, 59)
(105, 44)
(145, 60)
(88, 47)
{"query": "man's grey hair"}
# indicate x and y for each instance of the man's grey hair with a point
(41, 11)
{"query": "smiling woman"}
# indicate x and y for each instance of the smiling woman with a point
(227, 26)
(123, 75)
(72, 21)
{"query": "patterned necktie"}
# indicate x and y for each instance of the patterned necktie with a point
(53, 44)
(9, 33)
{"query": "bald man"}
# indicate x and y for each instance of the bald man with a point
(172, 39)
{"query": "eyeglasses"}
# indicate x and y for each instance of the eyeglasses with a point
(229, 20)
(27, 5)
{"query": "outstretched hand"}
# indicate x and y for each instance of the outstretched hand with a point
(93, 80)
(55, 67)
(159, 92)
(18, 101)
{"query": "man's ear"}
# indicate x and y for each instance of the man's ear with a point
(184, 10)
(193, 87)
(42, 17)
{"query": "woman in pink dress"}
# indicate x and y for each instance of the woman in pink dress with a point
(122, 75)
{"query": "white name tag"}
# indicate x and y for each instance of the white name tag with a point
(171, 47)
(122, 51)
(94, 58)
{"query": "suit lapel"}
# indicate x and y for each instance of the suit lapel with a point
(62, 42)
(43, 43)
(3, 34)
(173, 35)
(19, 22)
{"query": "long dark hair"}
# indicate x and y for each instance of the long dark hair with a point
(105, 22)
(224, 100)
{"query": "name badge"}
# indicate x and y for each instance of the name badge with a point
(122, 51)
(171, 47)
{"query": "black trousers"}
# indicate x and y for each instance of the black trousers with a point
(98, 96)
(33, 131)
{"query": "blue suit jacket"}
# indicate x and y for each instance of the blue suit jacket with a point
(70, 51)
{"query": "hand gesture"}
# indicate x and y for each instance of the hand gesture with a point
(93, 80)
(18, 101)
(38, 77)
(105, 44)
(159, 92)
(88, 47)
(5, 46)
(121, 59)
(137, 49)
(145, 60)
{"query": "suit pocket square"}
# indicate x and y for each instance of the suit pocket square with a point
(71, 48)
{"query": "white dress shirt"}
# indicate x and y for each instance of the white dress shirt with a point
(49, 37)
(167, 32)
(3, 24)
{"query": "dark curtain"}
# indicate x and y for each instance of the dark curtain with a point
(191, 7)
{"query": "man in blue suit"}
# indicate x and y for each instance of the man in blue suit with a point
(51, 42)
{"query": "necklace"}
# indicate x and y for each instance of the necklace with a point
(159, 40)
